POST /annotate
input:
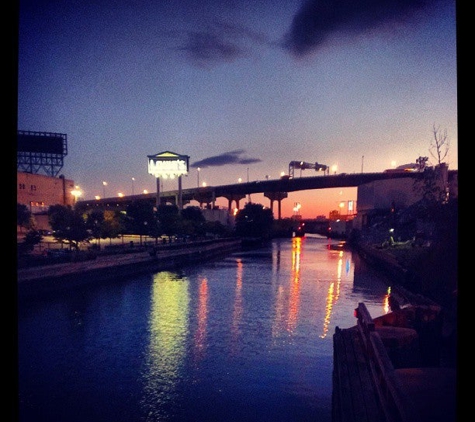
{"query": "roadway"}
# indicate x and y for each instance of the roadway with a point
(274, 189)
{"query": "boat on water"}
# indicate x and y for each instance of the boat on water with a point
(299, 231)
(337, 246)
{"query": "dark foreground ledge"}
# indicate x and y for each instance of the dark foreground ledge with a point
(380, 375)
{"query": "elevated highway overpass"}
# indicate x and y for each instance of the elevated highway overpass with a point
(275, 190)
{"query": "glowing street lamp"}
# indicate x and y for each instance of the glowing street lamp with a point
(297, 207)
(133, 180)
(198, 176)
(104, 184)
(76, 193)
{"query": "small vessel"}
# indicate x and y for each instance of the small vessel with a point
(339, 246)
(299, 231)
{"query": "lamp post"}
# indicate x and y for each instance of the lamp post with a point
(248, 195)
(76, 194)
(133, 180)
(198, 176)
(342, 206)
(104, 184)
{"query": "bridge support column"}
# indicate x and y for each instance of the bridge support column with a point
(205, 196)
(276, 196)
(234, 197)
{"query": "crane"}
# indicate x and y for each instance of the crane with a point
(302, 165)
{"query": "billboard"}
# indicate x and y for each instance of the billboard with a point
(42, 142)
(168, 164)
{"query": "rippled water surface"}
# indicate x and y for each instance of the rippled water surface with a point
(246, 338)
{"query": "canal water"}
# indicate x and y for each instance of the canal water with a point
(244, 338)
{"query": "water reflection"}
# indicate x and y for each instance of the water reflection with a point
(238, 306)
(386, 305)
(168, 329)
(373, 285)
(294, 299)
(332, 295)
(247, 338)
(202, 316)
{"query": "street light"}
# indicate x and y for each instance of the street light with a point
(133, 180)
(76, 193)
(104, 184)
(198, 176)
(297, 207)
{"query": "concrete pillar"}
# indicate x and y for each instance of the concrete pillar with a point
(180, 194)
(157, 201)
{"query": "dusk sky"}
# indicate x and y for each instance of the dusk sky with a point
(241, 87)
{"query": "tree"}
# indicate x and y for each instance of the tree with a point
(254, 220)
(193, 221)
(110, 226)
(139, 217)
(32, 238)
(68, 225)
(433, 186)
(440, 144)
(23, 216)
(170, 219)
(94, 222)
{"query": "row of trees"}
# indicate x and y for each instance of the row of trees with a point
(74, 226)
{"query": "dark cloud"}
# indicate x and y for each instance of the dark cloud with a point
(204, 47)
(219, 42)
(318, 20)
(232, 157)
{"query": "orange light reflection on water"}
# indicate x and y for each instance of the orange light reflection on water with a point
(332, 296)
(294, 298)
(386, 306)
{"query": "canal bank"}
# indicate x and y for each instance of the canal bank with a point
(122, 264)
(418, 275)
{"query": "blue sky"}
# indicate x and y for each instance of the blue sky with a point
(242, 87)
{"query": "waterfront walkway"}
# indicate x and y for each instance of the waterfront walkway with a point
(105, 267)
